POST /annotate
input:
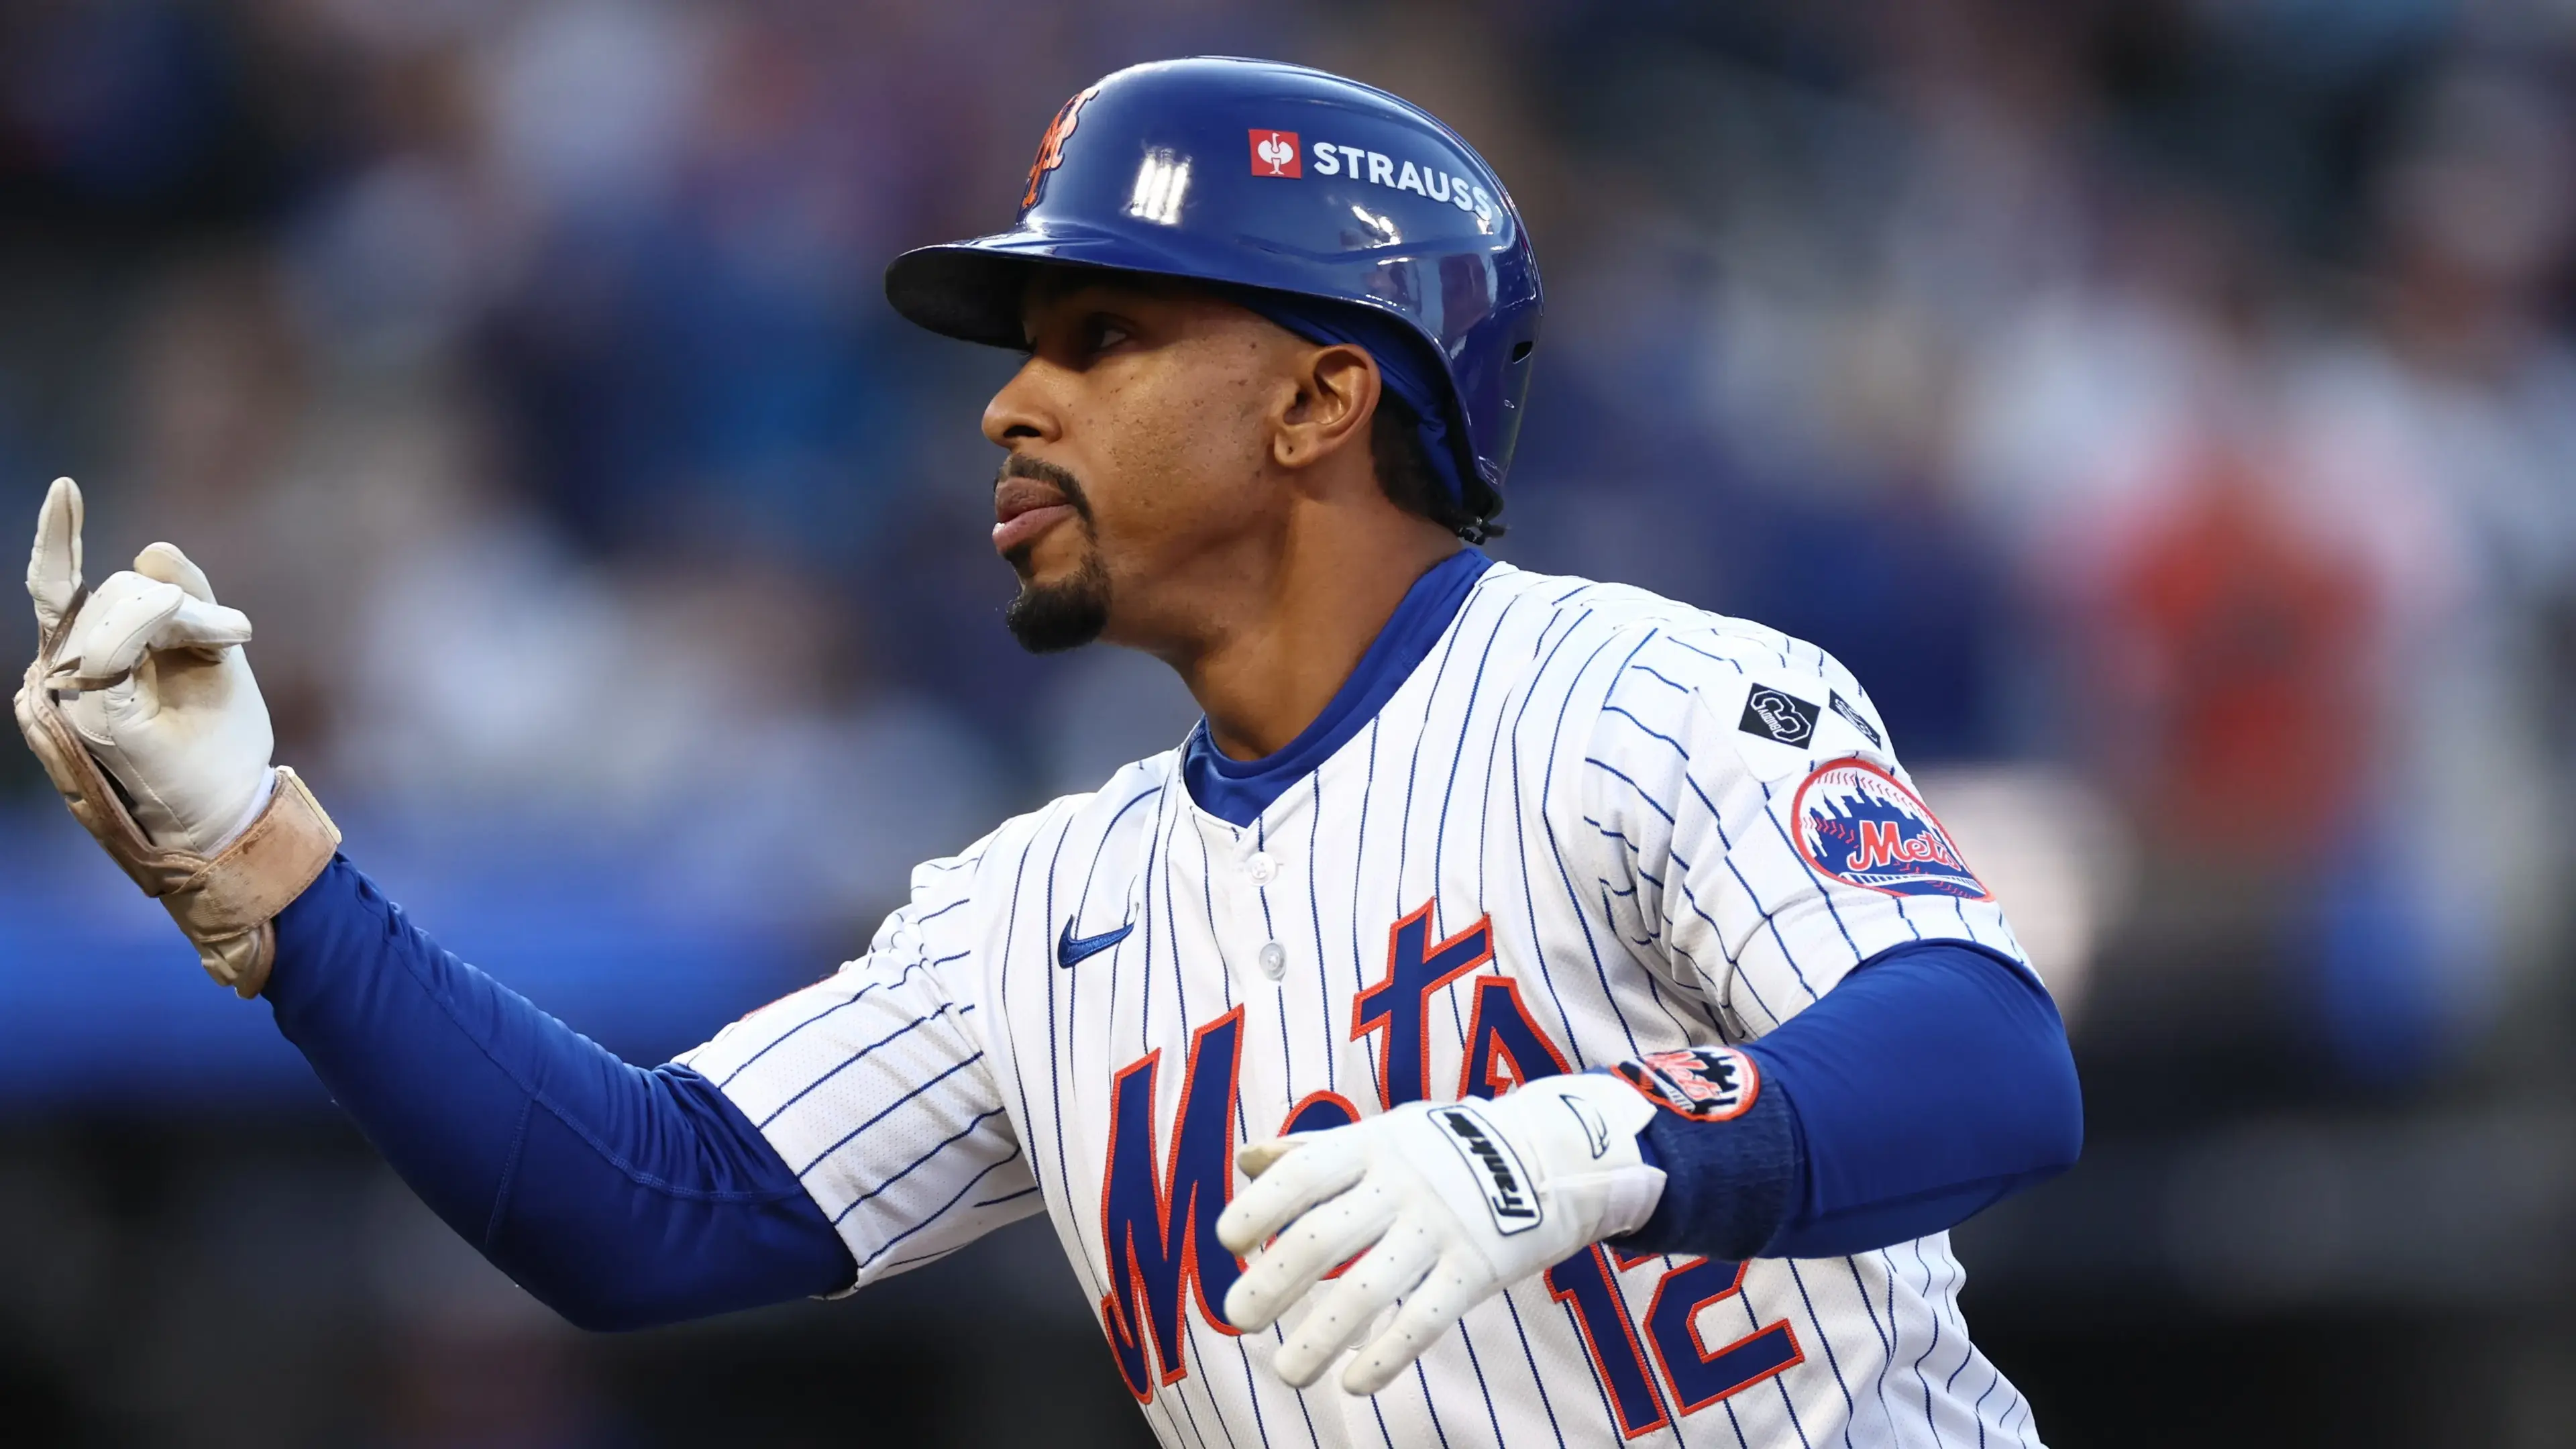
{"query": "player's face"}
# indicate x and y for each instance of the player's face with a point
(1139, 433)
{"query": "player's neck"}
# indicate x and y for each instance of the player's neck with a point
(1284, 644)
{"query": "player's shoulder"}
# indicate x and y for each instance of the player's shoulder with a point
(1666, 671)
(1594, 613)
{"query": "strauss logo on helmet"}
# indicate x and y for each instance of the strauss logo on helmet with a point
(1274, 153)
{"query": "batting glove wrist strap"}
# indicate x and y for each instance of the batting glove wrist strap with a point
(1453, 1202)
(224, 903)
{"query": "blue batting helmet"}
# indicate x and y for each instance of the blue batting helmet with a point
(1256, 174)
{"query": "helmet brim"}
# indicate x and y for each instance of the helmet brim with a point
(976, 291)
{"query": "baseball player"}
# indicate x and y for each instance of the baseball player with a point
(1524, 1011)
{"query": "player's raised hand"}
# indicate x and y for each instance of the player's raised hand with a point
(149, 670)
(145, 680)
(1460, 1200)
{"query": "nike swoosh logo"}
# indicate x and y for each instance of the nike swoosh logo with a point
(1070, 948)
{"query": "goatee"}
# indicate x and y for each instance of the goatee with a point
(1051, 618)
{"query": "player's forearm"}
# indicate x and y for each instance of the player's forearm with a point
(620, 1197)
(1931, 1083)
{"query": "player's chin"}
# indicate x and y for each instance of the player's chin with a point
(1064, 609)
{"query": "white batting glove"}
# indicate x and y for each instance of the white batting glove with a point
(145, 716)
(150, 672)
(1461, 1200)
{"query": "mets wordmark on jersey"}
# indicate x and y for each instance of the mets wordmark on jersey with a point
(1592, 824)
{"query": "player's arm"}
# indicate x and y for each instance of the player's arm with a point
(1923, 1088)
(621, 1196)
(842, 1133)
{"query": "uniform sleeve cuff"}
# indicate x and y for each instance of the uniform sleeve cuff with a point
(1728, 1185)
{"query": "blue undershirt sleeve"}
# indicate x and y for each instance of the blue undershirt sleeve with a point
(1933, 1081)
(620, 1197)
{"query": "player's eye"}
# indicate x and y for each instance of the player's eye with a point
(1101, 333)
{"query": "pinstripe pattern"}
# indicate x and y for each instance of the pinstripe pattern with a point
(1566, 761)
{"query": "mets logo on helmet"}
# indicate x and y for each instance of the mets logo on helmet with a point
(1860, 825)
(1051, 145)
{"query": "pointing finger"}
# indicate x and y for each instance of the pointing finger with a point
(54, 563)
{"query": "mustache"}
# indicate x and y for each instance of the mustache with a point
(1020, 465)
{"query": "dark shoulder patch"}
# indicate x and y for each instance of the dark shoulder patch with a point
(1858, 720)
(1778, 716)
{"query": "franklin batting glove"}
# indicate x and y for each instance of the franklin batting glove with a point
(1459, 1200)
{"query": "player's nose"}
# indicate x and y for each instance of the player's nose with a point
(1021, 412)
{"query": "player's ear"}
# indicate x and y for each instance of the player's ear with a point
(1333, 392)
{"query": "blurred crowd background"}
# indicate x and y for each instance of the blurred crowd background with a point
(2167, 407)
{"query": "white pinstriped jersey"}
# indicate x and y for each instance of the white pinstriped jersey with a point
(1591, 823)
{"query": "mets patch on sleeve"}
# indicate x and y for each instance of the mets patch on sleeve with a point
(1705, 1084)
(1860, 825)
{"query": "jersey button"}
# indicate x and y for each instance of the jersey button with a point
(1274, 960)
(1263, 866)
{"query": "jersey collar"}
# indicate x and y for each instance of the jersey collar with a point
(1237, 791)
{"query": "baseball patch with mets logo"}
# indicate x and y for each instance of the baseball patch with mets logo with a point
(1860, 825)
(1705, 1084)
